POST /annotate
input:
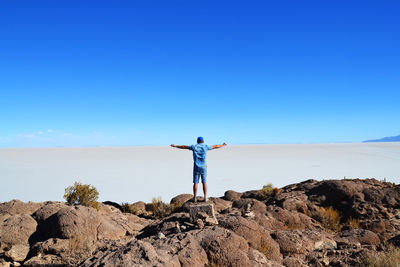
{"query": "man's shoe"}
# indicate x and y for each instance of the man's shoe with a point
(205, 199)
(194, 199)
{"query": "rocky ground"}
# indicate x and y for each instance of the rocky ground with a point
(313, 223)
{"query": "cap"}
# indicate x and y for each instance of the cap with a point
(200, 139)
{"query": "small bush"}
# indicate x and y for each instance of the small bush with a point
(267, 192)
(389, 258)
(293, 226)
(129, 208)
(82, 194)
(264, 247)
(353, 223)
(330, 218)
(161, 209)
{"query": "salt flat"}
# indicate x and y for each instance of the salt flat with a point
(128, 174)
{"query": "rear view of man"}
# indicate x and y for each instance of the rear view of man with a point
(200, 165)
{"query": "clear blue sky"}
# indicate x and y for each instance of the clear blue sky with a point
(86, 73)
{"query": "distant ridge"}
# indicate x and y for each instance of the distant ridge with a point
(386, 139)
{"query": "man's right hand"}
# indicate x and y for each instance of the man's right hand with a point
(173, 145)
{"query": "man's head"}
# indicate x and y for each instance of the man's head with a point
(200, 140)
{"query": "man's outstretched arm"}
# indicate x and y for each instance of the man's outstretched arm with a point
(181, 147)
(219, 146)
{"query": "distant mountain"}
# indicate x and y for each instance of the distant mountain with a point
(386, 139)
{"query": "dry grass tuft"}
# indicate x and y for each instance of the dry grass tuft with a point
(330, 218)
(161, 210)
(264, 247)
(129, 208)
(353, 223)
(293, 226)
(389, 258)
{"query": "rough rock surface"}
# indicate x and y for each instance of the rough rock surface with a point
(312, 223)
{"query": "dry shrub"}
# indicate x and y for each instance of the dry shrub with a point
(80, 248)
(82, 194)
(353, 223)
(267, 192)
(389, 258)
(161, 210)
(264, 247)
(293, 226)
(77, 243)
(129, 208)
(276, 191)
(329, 218)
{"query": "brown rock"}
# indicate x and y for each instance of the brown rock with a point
(17, 229)
(4, 263)
(255, 235)
(255, 205)
(220, 204)
(133, 253)
(15, 207)
(45, 260)
(292, 242)
(17, 252)
(258, 259)
(223, 247)
(292, 220)
(73, 222)
(294, 201)
(231, 195)
(196, 211)
(44, 212)
(180, 199)
(361, 236)
(294, 262)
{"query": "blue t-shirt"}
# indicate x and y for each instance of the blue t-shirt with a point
(200, 154)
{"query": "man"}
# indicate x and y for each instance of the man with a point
(200, 164)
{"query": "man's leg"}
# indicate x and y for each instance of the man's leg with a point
(194, 190)
(205, 191)
(204, 181)
(196, 177)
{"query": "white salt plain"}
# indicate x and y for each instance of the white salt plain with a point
(129, 174)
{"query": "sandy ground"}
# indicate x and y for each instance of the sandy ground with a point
(128, 174)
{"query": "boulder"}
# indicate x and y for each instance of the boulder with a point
(115, 225)
(223, 247)
(17, 252)
(294, 201)
(358, 236)
(180, 199)
(254, 234)
(255, 205)
(133, 253)
(138, 208)
(4, 263)
(294, 262)
(73, 222)
(48, 209)
(17, 229)
(15, 207)
(196, 210)
(292, 220)
(231, 195)
(220, 204)
(44, 260)
(258, 259)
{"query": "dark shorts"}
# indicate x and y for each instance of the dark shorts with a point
(199, 172)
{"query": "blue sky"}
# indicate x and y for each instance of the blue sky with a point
(105, 73)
